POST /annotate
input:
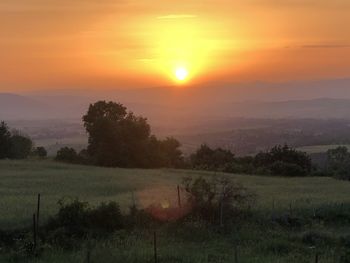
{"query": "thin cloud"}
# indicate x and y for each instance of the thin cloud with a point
(326, 46)
(176, 16)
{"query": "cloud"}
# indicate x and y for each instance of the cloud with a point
(176, 16)
(326, 46)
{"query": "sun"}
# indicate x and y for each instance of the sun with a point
(181, 73)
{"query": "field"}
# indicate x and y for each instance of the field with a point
(21, 181)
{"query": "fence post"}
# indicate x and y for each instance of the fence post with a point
(290, 208)
(34, 233)
(221, 213)
(38, 213)
(178, 195)
(222, 206)
(155, 247)
(133, 199)
(316, 258)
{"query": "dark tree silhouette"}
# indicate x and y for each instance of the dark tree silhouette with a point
(119, 138)
(5, 141)
(21, 146)
(40, 152)
(13, 145)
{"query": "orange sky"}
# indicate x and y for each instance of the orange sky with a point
(140, 43)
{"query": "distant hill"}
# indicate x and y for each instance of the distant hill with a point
(184, 110)
(188, 104)
(14, 106)
(19, 107)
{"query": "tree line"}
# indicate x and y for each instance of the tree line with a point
(280, 160)
(119, 138)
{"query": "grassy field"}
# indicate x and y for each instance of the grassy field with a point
(20, 181)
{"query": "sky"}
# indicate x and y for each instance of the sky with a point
(53, 44)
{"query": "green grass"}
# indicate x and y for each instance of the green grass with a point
(20, 181)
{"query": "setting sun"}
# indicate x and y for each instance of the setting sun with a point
(181, 74)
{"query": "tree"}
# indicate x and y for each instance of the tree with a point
(13, 145)
(116, 137)
(67, 154)
(339, 162)
(40, 152)
(283, 160)
(21, 146)
(209, 159)
(119, 138)
(171, 153)
(201, 159)
(5, 141)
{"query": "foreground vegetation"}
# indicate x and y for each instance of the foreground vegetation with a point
(292, 221)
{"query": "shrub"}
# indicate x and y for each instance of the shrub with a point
(40, 152)
(72, 219)
(283, 160)
(106, 217)
(67, 154)
(76, 220)
(211, 159)
(207, 197)
(286, 169)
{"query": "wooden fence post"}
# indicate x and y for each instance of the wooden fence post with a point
(222, 206)
(221, 213)
(155, 247)
(133, 199)
(38, 213)
(178, 195)
(34, 233)
(290, 208)
(316, 258)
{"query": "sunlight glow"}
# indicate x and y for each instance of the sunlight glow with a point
(181, 73)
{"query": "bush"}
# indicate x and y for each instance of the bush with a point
(40, 152)
(76, 220)
(106, 217)
(283, 160)
(212, 159)
(208, 197)
(338, 161)
(67, 154)
(286, 169)
(72, 219)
